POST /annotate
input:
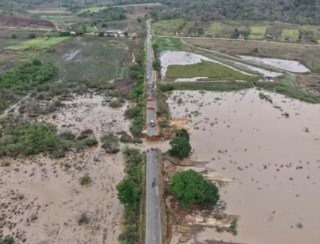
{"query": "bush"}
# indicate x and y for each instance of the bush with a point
(14, 36)
(183, 134)
(85, 180)
(6, 240)
(190, 188)
(84, 219)
(101, 34)
(90, 142)
(180, 147)
(36, 62)
(110, 142)
(128, 193)
(32, 36)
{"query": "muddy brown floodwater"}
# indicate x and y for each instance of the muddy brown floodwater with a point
(41, 199)
(271, 151)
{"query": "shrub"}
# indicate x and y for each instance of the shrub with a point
(84, 219)
(36, 62)
(183, 134)
(6, 240)
(90, 142)
(85, 180)
(101, 34)
(190, 188)
(180, 147)
(110, 142)
(14, 36)
(32, 36)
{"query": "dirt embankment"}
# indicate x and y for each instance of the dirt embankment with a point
(15, 21)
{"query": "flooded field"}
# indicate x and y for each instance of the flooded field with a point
(186, 58)
(42, 200)
(269, 148)
(287, 65)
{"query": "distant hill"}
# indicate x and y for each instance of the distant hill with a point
(293, 11)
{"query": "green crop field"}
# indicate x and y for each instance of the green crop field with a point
(38, 44)
(168, 27)
(290, 35)
(211, 70)
(165, 44)
(257, 32)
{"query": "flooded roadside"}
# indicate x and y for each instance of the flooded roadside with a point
(271, 153)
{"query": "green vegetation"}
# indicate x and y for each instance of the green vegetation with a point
(207, 86)
(290, 35)
(38, 44)
(190, 188)
(6, 240)
(110, 142)
(22, 138)
(85, 180)
(165, 44)
(180, 145)
(16, 82)
(26, 76)
(290, 88)
(183, 134)
(130, 193)
(296, 11)
(138, 96)
(257, 32)
(208, 69)
(92, 10)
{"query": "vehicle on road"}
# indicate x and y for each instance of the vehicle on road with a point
(152, 123)
(150, 99)
(151, 108)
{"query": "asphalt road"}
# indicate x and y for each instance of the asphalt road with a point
(153, 210)
(151, 85)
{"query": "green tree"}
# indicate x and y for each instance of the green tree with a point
(190, 188)
(127, 192)
(183, 133)
(180, 147)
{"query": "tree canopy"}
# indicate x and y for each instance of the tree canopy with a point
(180, 147)
(190, 188)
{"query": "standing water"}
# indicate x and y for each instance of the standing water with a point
(271, 151)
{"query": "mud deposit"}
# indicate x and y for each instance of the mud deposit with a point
(42, 200)
(88, 112)
(270, 150)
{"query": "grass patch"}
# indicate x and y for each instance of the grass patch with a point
(165, 44)
(168, 27)
(290, 88)
(207, 86)
(290, 35)
(38, 44)
(50, 11)
(85, 180)
(211, 70)
(216, 27)
(257, 32)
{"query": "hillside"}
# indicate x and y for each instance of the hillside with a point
(293, 11)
